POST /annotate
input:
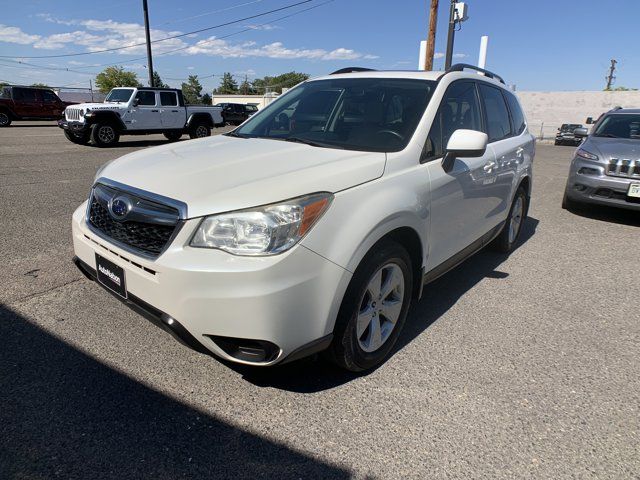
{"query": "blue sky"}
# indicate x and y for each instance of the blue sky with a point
(536, 45)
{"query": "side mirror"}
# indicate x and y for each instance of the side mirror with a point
(589, 121)
(465, 144)
(581, 132)
(136, 102)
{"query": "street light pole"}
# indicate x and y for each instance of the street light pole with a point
(148, 35)
(451, 35)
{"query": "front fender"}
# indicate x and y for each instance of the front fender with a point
(359, 217)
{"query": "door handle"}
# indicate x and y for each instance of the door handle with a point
(175, 111)
(155, 111)
(489, 166)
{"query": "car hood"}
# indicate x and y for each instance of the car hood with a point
(222, 173)
(99, 106)
(608, 148)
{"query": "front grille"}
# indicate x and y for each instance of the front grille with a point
(147, 229)
(72, 114)
(623, 168)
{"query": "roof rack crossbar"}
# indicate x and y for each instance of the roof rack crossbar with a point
(352, 70)
(459, 67)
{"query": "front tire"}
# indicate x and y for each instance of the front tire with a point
(505, 242)
(104, 135)
(200, 130)
(78, 138)
(568, 204)
(5, 119)
(374, 309)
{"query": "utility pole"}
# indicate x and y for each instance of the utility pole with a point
(431, 36)
(451, 35)
(148, 35)
(91, 89)
(610, 78)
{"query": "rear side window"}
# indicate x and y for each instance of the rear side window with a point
(25, 94)
(497, 114)
(459, 109)
(517, 117)
(146, 97)
(168, 99)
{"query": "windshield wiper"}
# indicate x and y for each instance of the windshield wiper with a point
(234, 134)
(309, 142)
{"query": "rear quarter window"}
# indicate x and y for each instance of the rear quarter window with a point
(517, 116)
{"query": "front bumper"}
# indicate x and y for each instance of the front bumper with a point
(74, 127)
(597, 188)
(289, 300)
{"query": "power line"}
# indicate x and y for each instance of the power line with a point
(165, 38)
(207, 13)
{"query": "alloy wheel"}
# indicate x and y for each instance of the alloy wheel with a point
(380, 307)
(201, 131)
(515, 222)
(106, 134)
(4, 119)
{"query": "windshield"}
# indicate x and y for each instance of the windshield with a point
(367, 114)
(620, 126)
(119, 95)
(569, 127)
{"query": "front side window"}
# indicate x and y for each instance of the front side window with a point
(366, 114)
(49, 97)
(146, 98)
(168, 99)
(497, 115)
(622, 125)
(459, 109)
(119, 95)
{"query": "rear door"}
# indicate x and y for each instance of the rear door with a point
(146, 115)
(172, 116)
(507, 148)
(460, 202)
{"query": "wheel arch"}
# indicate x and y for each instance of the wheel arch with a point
(107, 117)
(200, 117)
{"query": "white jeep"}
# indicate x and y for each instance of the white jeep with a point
(138, 111)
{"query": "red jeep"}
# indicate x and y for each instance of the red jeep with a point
(29, 103)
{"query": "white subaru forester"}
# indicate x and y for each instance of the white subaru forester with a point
(314, 224)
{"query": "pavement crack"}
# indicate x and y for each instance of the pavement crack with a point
(44, 292)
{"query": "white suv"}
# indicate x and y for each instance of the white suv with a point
(314, 224)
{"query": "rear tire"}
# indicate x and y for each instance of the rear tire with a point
(374, 309)
(104, 135)
(200, 130)
(173, 136)
(5, 119)
(78, 138)
(508, 237)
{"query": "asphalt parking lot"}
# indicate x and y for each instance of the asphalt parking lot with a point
(518, 367)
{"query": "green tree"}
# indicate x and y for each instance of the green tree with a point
(206, 99)
(192, 89)
(157, 81)
(277, 83)
(246, 88)
(112, 77)
(41, 85)
(227, 85)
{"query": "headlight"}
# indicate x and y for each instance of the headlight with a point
(584, 154)
(82, 112)
(267, 230)
(88, 113)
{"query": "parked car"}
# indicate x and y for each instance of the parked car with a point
(138, 111)
(29, 103)
(565, 135)
(285, 238)
(236, 113)
(606, 168)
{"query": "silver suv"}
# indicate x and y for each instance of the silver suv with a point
(606, 168)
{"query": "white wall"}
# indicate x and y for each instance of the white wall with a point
(546, 111)
(260, 100)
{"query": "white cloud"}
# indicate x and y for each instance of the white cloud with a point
(265, 27)
(221, 48)
(15, 35)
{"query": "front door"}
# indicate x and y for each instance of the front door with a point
(146, 115)
(27, 102)
(460, 200)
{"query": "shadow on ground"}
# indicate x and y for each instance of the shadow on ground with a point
(313, 375)
(65, 415)
(609, 214)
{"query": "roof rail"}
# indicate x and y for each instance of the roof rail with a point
(459, 67)
(352, 70)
